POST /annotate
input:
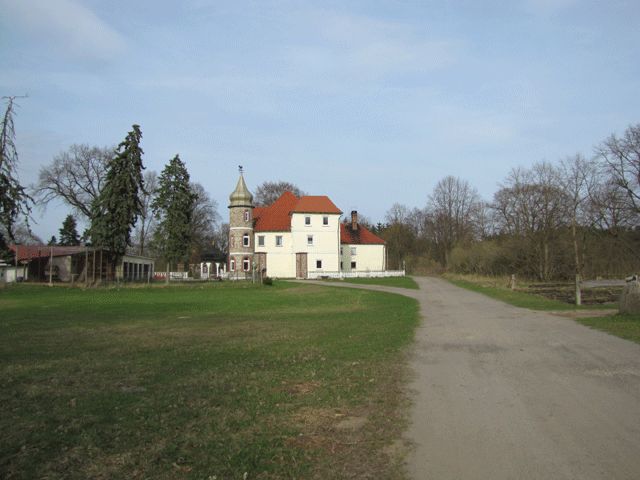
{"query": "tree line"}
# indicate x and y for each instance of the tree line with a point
(125, 208)
(550, 221)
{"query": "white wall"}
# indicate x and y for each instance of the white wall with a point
(281, 261)
(326, 240)
(367, 257)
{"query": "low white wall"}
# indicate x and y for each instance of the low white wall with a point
(364, 274)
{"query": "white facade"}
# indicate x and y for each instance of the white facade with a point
(362, 258)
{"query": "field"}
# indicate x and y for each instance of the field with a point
(219, 381)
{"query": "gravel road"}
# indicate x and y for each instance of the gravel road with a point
(506, 393)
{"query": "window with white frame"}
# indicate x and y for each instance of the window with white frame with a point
(307, 220)
(261, 240)
(232, 265)
(325, 220)
(246, 264)
(318, 263)
(309, 239)
(353, 251)
(278, 240)
(245, 240)
(246, 215)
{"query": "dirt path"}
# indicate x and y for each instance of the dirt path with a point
(507, 393)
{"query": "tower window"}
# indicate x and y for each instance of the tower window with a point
(245, 240)
(232, 265)
(307, 220)
(246, 215)
(246, 264)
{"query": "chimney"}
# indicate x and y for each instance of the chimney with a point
(354, 220)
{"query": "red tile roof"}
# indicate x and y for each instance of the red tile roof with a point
(361, 236)
(275, 217)
(28, 252)
(316, 204)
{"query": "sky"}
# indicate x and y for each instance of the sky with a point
(368, 102)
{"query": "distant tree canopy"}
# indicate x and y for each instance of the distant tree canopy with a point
(548, 221)
(268, 192)
(117, 207)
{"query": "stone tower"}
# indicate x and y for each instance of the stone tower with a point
(240, 231)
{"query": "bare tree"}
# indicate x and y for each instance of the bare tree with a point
(621, 159)
(205, 221)
(451, 209)
(75, 176)
(268, 192)
(531, 205)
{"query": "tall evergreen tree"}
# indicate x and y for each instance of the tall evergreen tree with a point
(173, 208)
(69, 233)
(53, 241)
(14, 201)
(117, 207)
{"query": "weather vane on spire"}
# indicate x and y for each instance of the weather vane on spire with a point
(240, 168)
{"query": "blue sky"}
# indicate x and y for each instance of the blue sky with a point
(368, 102)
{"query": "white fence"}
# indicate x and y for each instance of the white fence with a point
(364, 274)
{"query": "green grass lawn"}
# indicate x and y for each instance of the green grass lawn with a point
(202, 382)
(519, 299)
(624, 326)
(401, 282)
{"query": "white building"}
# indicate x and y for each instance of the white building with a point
(299, 238)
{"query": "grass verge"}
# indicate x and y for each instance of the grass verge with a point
(400, 282)
(494, 289)
(202, 382)
(624, 326)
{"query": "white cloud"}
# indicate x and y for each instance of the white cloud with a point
(70, 27)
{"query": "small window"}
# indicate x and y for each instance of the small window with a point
(245, 240)
(353, 265)
(309, 239)
(246, 264)
(232, 265)
(307, 220)
(246, 215)
(341, 267)
(278, 240)
(353, 251)
(325, 220)
(318, 263)
(261, 240)
(341, 251)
